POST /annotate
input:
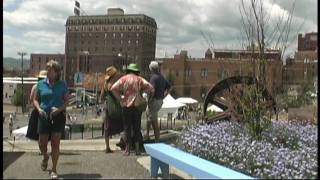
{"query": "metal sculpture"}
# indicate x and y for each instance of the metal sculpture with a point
(223, 95)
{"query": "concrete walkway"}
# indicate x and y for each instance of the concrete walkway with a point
(78, 159)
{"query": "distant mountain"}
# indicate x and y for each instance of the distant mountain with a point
(15, 63)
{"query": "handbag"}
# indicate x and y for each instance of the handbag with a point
(114, 109)
(140, 103)
(32, 132)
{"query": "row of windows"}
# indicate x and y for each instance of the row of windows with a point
(106, 36)
(111, 28)
(97, 49)
(204, 73)
(47, 59)
(112, 21)
(112, 42)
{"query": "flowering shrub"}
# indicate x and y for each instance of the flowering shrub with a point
(286, 150)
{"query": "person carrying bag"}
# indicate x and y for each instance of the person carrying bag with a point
(32, 132)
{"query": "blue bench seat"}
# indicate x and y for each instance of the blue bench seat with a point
(163, 155)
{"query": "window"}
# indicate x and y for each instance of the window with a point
(129, 41)
(221, 74)
(188, 72)
(6, 95)
(177, 73)
(121, 35)
(105, 35)
(204, 72)
(114, 35)
(137, 35)
(137, 42)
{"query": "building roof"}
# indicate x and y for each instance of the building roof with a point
(19, 82)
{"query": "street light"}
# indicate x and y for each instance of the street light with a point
(22, 54)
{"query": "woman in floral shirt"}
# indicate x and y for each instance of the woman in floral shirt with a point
(126, 90)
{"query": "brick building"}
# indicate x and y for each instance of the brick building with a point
(95, 42)
(308, 42)
(38, 62)
(303, 68)
(195, 76)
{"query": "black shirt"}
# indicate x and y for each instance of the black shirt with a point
(160, 85)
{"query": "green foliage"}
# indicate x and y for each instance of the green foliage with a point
(17, 97)
(304, 96)
(254, 111)
(210, 114)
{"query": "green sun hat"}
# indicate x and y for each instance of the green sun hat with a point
(133, 67)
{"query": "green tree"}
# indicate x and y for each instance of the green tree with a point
(259, 34)
(17, 97)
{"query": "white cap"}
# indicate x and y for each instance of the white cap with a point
(154, 65)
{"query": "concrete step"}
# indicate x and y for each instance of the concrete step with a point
(27, 145)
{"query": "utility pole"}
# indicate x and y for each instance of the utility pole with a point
(22, 54)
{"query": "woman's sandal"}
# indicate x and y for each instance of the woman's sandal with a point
(44, 163)
(54, 175)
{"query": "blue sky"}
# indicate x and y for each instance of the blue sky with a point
(37, 26)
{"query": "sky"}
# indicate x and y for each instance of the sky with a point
(38, 26)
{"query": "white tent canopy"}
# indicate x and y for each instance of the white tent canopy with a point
(214, 108)
(170, 105)
(187, 100)
(170, 102)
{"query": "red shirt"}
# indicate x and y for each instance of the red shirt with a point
(128, 88)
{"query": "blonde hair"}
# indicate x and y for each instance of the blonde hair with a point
(55, 65)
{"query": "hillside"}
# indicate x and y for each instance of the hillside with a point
(15, 63)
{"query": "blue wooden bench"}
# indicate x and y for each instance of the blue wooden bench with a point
(163, 155)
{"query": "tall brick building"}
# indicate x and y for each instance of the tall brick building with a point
(195, 76)
(303, 68)
(95, 42)
(38, 62)
(308, 42)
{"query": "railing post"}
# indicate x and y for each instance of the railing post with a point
(92, 130)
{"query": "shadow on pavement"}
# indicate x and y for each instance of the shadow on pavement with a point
(80, 176)
(171, 176)
(9, 158)
(68, 153)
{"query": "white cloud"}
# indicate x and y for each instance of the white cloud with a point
(38, 25)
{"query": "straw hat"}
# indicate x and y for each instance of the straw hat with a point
(110, 71)
(42, 74)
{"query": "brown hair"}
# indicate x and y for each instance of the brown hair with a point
(55, 66)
